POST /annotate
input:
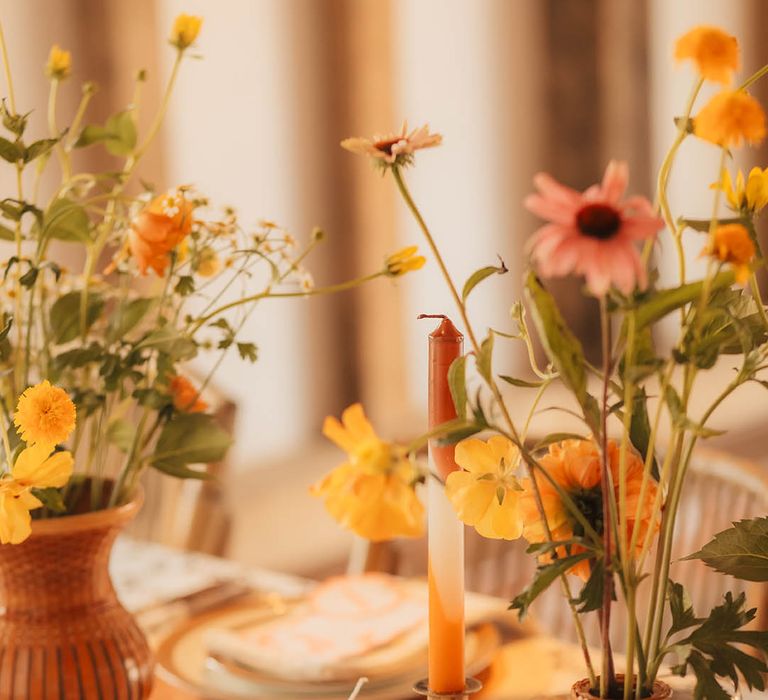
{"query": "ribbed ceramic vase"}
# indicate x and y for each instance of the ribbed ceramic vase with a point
(581, 690)
(63, 633)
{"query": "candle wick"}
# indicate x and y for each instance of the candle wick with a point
(420, 316)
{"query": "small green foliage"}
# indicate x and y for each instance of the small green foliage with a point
(171, 342)
(185, 285)
(39, 148)
(65, 316)
(457, 383)
(121, 433)
(129, 315)
(740, 551)
(51, 498)
(11, 151)
(248, 351)
(189, 438)
(118, 134)
(479, 275)
(66, 220)
(520, 383)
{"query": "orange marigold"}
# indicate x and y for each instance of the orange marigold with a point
(715, 52)
(732, 244)
(730, 118)
(45, 415)
(575, 466)
(158, 229)
(185, 396)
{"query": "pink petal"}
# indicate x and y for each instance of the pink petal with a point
(545, 239)
(615, 180)
(552, 189)
(637, 205)
(550, 209)
(592, 193)
(640, 228)
(562, 259)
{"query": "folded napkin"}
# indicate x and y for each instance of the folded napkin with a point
(372, 624)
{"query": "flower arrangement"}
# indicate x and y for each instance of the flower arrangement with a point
(593, 505)
(92, 362)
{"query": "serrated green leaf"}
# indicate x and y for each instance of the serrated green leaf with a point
(522, 383)
(457, 383)
(544, 577)
(10, 151)
(65, 316)
(681, 608)
(478, 276)
(185, 286)
(248, 351)
(189, 438)
(740, 551)
(66, 220)
(171, 342)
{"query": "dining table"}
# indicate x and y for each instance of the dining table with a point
(165, 587)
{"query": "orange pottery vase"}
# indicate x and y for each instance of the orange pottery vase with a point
(63, 633)
(582, 691)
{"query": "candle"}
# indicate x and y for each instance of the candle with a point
(446, 532)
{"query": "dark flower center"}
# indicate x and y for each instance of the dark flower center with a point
(386, 146)
(590, 504)
(599, 221)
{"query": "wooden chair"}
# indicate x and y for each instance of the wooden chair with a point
(719, 489)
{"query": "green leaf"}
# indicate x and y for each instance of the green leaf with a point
(51, 498)
(562, 347)
(484, 360)
(740, 551)
(128, 316)
(171, 342)
(457, 430)
(591, 596)
(39, 148)
(91, 134)
(703, 225)
(6, 321)
(640, 429)
(681, 420)
(10, 151)
(65, 220)
(478, 276)
(122, 134)
(121, 434)
(248, 351)
(185, 286)
(65, 315)
(458, 385)
(681, 608)
(7, 234)
(522, 383)
(189, 438)
(15, 123)
(664, 301)
(544, 577)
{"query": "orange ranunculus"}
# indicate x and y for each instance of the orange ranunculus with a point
(730, 118)
(158, 229)
(575, 466)
(185, 397)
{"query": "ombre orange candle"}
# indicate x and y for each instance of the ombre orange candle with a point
(446, 533)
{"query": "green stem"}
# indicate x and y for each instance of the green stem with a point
(7, 68)
(53, 131)
(754, 77)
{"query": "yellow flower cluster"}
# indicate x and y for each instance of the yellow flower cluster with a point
(45, 417)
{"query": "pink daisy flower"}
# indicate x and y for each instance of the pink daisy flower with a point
(593, 233)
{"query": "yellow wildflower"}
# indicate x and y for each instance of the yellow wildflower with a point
(751, 197)
(404, 260)
(185, 30)
(208, 262)
(372, 493)
(35, 467)
(733, 244)
(45, 414)
(730, 118)
(715, 52)
(59, 64)
(485, 492)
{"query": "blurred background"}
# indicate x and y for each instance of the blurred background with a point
(515, 86)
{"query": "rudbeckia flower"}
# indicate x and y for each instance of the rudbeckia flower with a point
(158, 229)
(485, 492)
(575, 466)
(186, 397)
(592, 233)
(730, 118)
(372, 493)
(749, 197)
(732, 244)
(714, 52)
(394, 149)
(35, 467)
(45, 414)
(405, 260)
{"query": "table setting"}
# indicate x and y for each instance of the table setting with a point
(97, 392)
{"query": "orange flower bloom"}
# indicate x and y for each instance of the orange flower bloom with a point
(185, 397)
(394, 149)
(158, 229)
(715, 52)
(45, 415)
(733, 244)
(730, 118)
(575, 466)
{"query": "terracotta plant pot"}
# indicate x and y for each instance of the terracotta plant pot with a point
(63, 633)
(582, 691)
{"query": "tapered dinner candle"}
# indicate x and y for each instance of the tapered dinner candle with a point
(446, 532)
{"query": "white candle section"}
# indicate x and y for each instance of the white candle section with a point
(446, 550)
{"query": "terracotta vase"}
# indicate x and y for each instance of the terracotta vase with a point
(581, 690)
(63, 633)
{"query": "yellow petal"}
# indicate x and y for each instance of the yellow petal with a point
(15, 521)
(36, 469)
(757, 189)
(357, 424)
(504, 450)
(469, 496)
(475, 456)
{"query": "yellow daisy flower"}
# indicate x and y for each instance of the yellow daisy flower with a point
(485, 492)
(733, 244)
(730, 118)
(45, 414)
(372, 493)
(714, 52)
(751, 196)
(185, 30)
(404, 260)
